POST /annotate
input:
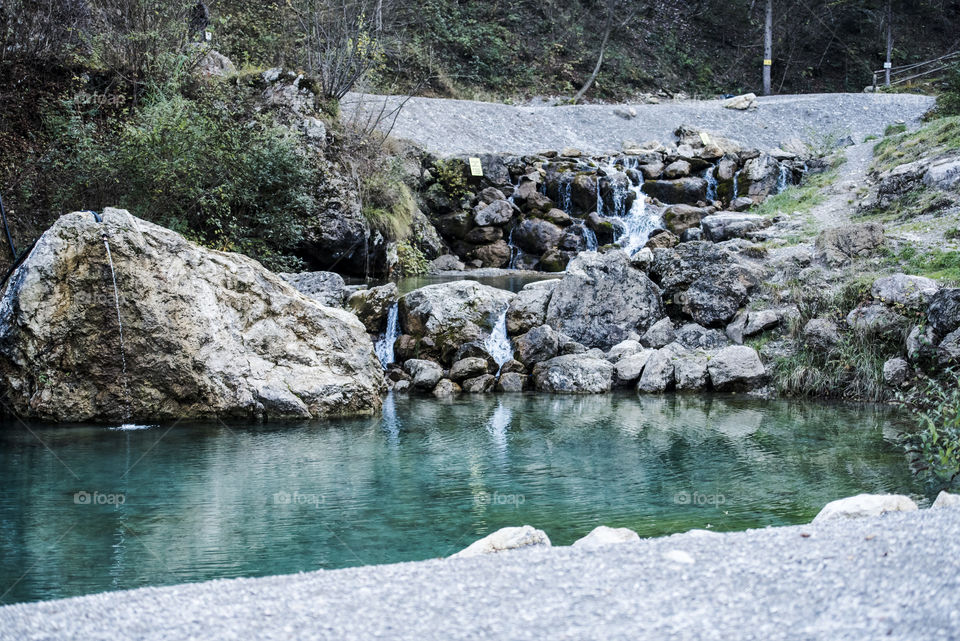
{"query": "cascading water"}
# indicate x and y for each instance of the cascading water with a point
(783, 181)
(498, 343)
(565, 189)
(711, 178)
(384, 345)
(736, 186)
(639, 221)
(123, 354)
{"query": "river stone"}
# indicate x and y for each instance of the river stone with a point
(538, 345)
(508, 538)
(484, 235)
(724, 226)
(490, 195)
(372, 306)
(529, 308)
(511, 382)
(690, 371)
(679, 218)
(736, 369)
(747, 324)
(574, 374)
(468, 368)
(536, 236)
(946, 500)
(896, 371)
(677, 169)
(904, 290)
(480, 384)
(865, 505)
(658, 372)
(327, 288)
(838, 245)
(603, 299)
(623, 348)
(687, 191)
(712, 300)
(629, 368)
(662, 240)
(206, 333)
(944, 311)
(603, 535)
(445, 263)
(452, 314)
(425, 374)
(693, 336)
(445, 388)
(760, 175)
(821, 334)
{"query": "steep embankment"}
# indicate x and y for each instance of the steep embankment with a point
(450, 127)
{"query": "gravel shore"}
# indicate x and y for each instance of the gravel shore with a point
(894, 577)
(451, 127)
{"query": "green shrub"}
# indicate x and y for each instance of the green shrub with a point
(893, 130)
(388, 204)
(450, 176)
(948, 102)
(411, 260)
(936, 443)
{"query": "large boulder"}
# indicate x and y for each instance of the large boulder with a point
(536, 236)
(821, 334)
(603, 535)
(327, 288)
(865, 505)
(205, 333)
(603, 300)
(529, 308)
(538, 345)
(904, 290)
(498, 212)
(736, 368)
(944, 311)
(760, 176)
(726, 225)
(713, 300)
(424, 374)
(839, 245)
(679, 218)
(658, 372)
(574, 374)
(689, 191)
(450, 315)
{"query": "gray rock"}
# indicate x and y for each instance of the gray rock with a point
(713, 300)
(677, 169)
(538, 345)
(629, 368)
(760, 176)
(452, 314)
(425, 374)
(660, 334)
(741, 103)
(690, 371)
(946, 500)
(511, 382)
(944, 311)
(948, 353)
(602, 299)
(736, 369)
(896, 371)
(687, 191)
(839, 245)
(661, 240)
(658, 372)
(679, 218)
(865, 506)
(206, 333)
(875, 318)
(944, 175)
(504, 539)
(574, 374)
(444, 388)
(490, 195)
(921, 343)
(603, 535)
(529, 308)
(747, 324)
(907, 291)
(499, 212)
(468, 368)
(480, 384)
(624, 348)
(373, 305)
(821, 334)
(693, 336)
(327, 288)
(536, 236)
(741, 203)
(724, 226)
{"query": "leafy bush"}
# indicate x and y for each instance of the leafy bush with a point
(231, 185)
(411, 260)
(450, 176)
(936, 443)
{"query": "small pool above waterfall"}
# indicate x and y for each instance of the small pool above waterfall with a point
(87, 509)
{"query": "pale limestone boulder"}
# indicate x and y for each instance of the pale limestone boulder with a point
(865, 505)
(504, 539)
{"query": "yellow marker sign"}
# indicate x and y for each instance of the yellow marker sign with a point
(768, 63)
(476, 169)
(704, 138)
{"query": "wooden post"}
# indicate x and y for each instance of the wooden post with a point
(767, 48)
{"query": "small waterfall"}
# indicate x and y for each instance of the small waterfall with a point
(639, 222)
(384, 345)
(591, 238)
(711, 177)
(123, 354)
(736, 186)
(515, 252)
(565, 192)
(783, 180)
(498, 343)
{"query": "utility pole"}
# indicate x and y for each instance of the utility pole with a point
(767, 48)
(889, 63)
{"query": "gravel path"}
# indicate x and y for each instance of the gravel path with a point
(896, 577)
(450, 127)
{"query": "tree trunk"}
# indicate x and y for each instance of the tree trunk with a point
(887, 67)
(767, 48)
(603, 49)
